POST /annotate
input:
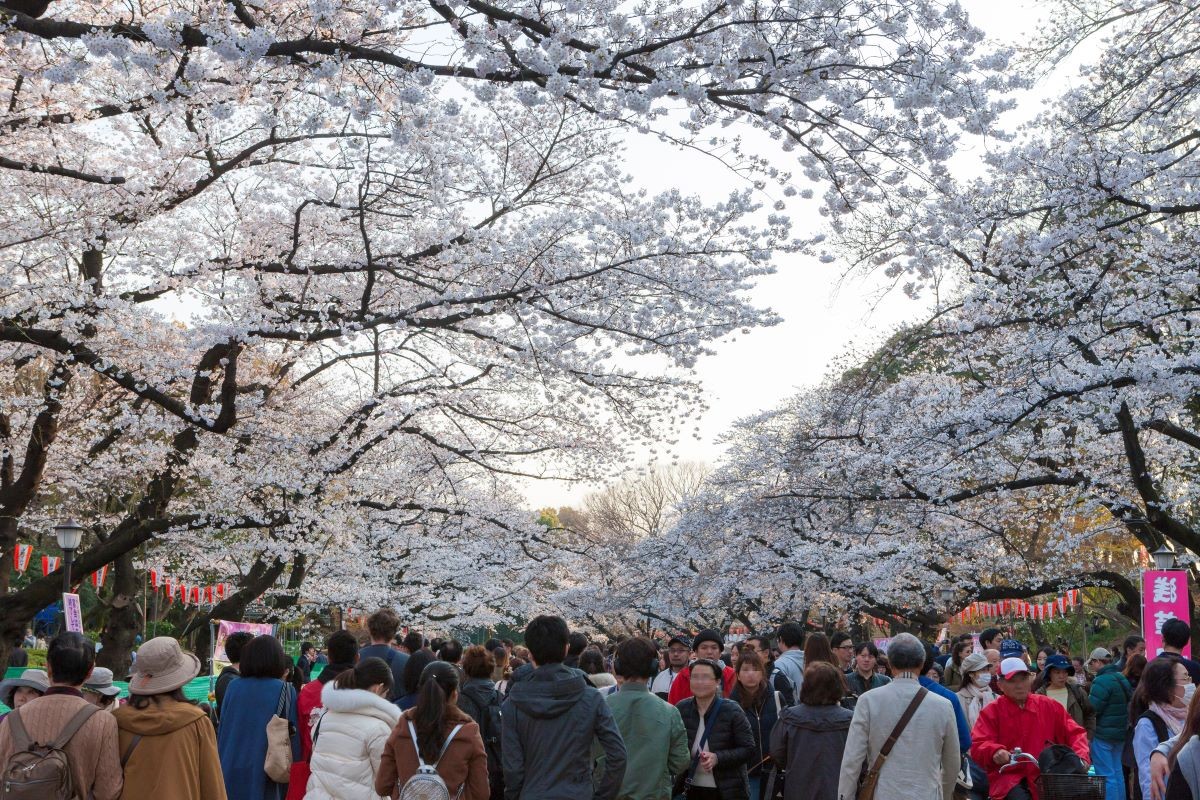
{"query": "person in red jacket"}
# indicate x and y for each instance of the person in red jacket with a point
(707, 644)
(1021, 719)
(342, 649)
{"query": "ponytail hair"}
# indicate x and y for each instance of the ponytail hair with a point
(365, 674)
(438, 681)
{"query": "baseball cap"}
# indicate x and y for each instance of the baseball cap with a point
(1011, 648)
(1100, 654)
(683, 640)
(1011, 666)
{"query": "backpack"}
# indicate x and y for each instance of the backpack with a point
(41, 771)
(426, 784)
(782, 684)
(489, 730)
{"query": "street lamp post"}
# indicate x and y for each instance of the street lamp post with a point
(69, 535)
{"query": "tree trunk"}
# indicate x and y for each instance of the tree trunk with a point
(124, 619)
(260, 578)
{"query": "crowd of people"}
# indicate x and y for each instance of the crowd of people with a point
(795, 716)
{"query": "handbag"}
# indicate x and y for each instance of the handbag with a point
(866, 786)
(684, 780)
(278, 762)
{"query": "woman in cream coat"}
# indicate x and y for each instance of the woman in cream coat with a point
(348, 738)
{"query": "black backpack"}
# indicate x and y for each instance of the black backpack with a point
(487, 706)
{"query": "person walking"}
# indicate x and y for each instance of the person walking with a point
(1158, 711)
(351, 733)
(304, 664)
(722, 743)
(924, 758)
(1021, 719)
(974, 689)
(549, 720)
(653, 732)
(342, 650)
(479, 698)
(762, 706)
(167, 742)
(1176, 635)
(790, 664)
(591, 661)
(436, 733)
(706, 645)
(234, 643)
(413, 668)
(842, 646)
(810, 738)
(1109, 696)
(62, 714)
(250, 702)
(863, 677)
(1057, 683)
(959, 649)
(679, 651)
(16, 692)
(382, 627)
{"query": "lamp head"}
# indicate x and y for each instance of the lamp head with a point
(69, 535)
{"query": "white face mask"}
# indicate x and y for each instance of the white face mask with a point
(1188, 691)
(983, 680)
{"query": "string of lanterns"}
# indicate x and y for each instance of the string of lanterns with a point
(188, 594)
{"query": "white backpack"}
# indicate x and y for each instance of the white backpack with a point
(426, 784)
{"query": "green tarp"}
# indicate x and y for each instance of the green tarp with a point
(196, 689)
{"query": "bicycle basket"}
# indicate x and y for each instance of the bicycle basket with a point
(1072, 787)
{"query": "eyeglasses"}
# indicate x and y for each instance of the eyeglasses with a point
(844, 647)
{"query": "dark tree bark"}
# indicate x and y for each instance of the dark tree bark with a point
(124, 619)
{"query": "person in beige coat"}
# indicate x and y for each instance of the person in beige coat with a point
(95, 765)
(167, 743)
(925, 760)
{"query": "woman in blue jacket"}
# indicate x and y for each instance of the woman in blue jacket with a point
(259, 693)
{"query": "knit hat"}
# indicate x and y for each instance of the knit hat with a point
(162, 666)
(974, 663)
(707, 635)
(1100, 654)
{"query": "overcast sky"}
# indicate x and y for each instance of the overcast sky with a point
(823, 315)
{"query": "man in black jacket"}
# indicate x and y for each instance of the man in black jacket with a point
(549, 721)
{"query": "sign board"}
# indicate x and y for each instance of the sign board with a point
(73, 612)
(224, 628)
(1164, 597)
(882, 645)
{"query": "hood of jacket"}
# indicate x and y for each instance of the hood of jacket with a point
(1108, 669)
(159, 718)
(359, 701)
(790, 657)
(549, 692)
(817, 718)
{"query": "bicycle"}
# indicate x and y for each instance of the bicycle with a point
(1059, 786)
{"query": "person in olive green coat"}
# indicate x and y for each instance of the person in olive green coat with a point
(653, 731)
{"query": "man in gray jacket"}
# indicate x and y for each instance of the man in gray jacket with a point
(925, 759)
(790, 664)
(549, 721)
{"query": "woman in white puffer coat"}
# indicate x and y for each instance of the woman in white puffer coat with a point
(349, 737)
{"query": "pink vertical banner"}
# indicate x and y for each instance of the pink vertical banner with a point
(1164, 597)
(73, 612)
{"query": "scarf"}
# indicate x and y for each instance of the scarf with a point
(1172, 715)
(976, 699)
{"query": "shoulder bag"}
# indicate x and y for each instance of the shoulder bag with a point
(866, 786)
(278, 762)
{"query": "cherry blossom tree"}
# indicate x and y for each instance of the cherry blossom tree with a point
(345, 268)
(1047, 407)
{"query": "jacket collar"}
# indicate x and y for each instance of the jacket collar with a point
(359, 701)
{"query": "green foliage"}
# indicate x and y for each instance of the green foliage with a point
(549, 518)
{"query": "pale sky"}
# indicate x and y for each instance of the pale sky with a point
(823, 315)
